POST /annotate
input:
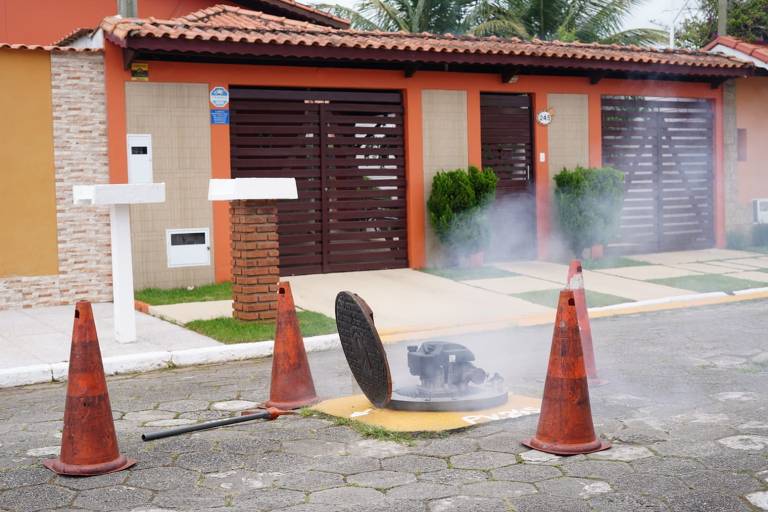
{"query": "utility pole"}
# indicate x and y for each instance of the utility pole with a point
(127, 8)
(722, 17)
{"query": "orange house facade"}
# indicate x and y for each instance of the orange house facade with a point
(363, 121)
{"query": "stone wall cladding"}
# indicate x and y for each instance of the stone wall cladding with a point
(255, 259)
(80, 157)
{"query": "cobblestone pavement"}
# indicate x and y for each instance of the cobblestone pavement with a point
(684, 405)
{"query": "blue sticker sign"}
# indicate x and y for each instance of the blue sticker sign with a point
(219, 97)
(219, 116)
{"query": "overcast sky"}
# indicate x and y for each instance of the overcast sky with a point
(652, 13)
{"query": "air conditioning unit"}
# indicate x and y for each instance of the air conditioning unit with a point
(760, 211)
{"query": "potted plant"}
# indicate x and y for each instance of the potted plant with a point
(457, 208)
(589, 202)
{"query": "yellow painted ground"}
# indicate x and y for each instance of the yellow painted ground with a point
(360, 409)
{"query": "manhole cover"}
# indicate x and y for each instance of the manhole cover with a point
(362, 348)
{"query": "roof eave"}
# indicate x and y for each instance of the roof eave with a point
(212, 49)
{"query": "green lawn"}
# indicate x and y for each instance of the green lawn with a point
(611, 262)
(158, 297)
(709, 283)
(467, 274)
(230, 330)
(549, 298)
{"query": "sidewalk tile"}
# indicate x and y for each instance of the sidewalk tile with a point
(761, 262)
(512, 285)
(704, 268)
(546, 270)
(733, 265)
(672, 258)
(754, 275)
(630, 288)
(188, 311)
(647, 272)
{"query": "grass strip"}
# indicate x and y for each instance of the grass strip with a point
(231, 330)
(706, 283)
(204, 293)
(549, 298)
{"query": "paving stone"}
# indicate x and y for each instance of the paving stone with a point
(759, 499)
(745, 442)
(675, 466)
(392, 505)
(234, 405)
(596, 469)
(161, 479)
(277, 462)
(502, 442)
(454, 476)
(622, 452)
(189, 498)
(736, 396)
(346, 464)
(447, 447)
(149, 415)
(314, 448)
(422, 491)
(498, 489)
(650, 484)
(39, 497)
(526, 473)
(376, 448)
(311, 507)
(175, 422)
(569, 487)
(309, 481)
(92, 482)
(246, 445)
(348, 495)
(340, 434)
(268, 499)
(616, 502)
(25, 476)
(381, 479)
(414, 463)
(639, 435)
(483, 460)
(43, 451)
(239, 480)
(185, 405)
(706, 502)
(119, 497)
(537, 457)
(210, 461)
(543, 502)
(721, 481)
(468, 504)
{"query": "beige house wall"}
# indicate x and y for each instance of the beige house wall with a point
(177, 117)
(568, 133)
(444, 125)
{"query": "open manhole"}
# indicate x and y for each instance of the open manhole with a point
(448, 379)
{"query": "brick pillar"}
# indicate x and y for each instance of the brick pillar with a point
(255, 257)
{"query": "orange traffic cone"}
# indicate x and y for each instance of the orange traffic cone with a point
(565, 423)
(292, 385)
(576, 283)
(89, 443)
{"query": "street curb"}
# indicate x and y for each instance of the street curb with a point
(148, 361)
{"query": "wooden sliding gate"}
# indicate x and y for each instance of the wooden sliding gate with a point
(665, 148)
(346, 151)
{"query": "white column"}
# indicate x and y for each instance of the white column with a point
(122, 274)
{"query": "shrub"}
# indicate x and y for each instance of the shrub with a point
(589, 204)
(457, 208)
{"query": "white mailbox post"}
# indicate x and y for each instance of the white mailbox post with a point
(119, 197)
(252, 188)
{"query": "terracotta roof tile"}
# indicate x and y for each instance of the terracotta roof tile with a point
(757, 50)
(232, 24)
(44, 47)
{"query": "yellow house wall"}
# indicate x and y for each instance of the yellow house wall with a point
(27, 181)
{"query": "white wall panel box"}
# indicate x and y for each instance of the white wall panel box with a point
(252, 188)
(188, 247)
(119, 197)
(140, 158)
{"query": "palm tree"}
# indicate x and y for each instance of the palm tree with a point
(588, 21)
(436, 16)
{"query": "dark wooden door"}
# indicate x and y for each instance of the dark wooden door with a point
(665, 148)
(507, 148)
(346, 151)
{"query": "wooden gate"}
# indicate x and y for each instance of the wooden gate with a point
(665, 148)
(346, 151)
(507, 148)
